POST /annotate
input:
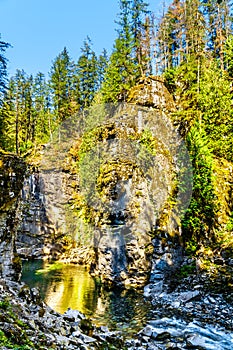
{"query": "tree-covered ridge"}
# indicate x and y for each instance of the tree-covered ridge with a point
(34, 106)
(190, 46)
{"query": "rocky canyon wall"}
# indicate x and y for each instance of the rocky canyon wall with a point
(12, 171)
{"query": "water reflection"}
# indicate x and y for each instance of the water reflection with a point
(63, 286)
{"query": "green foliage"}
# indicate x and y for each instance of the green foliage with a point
(203, 93)
(187, 270)
(62, 84)
(87, 70)
(216, 110)
(128, 60)
(228, 58)
(191, 247)
(25, 113)
(148, 141)
(229, 226)
(5, 304)
(121, 73)
(3, 67)
(199, 218)
(16, 338)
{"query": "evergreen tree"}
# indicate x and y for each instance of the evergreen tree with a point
(61, 85)
(215, 105)
(16, 112)
(102, 66)
(140, 31)
(122, 71)
(19, 84)
(181, 33)
(87, 69)
(7, 119)
(3, 67)
(228, 56)
(42, 109)
(170, 51)
(218, 17)
(199, 218)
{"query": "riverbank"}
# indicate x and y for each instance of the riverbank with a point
(185, 318)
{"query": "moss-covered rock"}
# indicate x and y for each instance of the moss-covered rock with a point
(152, 92)
(12, 171)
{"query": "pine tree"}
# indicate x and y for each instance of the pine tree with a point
(122, 71)
(215, 104)
(199, 218)
(228, 56)
(87, 70)
(101, 67)
(19, 83)
(218, 14)
(3, 67)
(181, 33)
(120, 74)
(17, 112)
(140, 32)
(42, 109)
(170, 51)
(61, 85)
(7, 119)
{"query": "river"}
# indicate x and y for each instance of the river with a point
(189, 325)
(64, 286)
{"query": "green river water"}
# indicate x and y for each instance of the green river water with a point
(64, 286)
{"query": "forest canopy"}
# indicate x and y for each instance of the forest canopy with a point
(191, 46)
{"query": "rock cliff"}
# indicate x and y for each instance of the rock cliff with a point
(12, 171)
(111, 191)
(111, 182)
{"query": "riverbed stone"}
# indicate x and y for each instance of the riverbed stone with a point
(73, 315)
(188, 296)
(198, 342)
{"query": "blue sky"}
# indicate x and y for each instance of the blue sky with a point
(38, 30)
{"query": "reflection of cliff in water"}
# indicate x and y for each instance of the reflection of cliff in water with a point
(65, 286)
(62, 286)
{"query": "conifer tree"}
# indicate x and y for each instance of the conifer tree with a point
(181, 33)
(61, 85)
(122, 70)
(87, 70)
(42, 109)
(199, 218)
(218, 17)
(7, 119)
(140, 30)
(18, 113)
(101, 67)
(3, 67)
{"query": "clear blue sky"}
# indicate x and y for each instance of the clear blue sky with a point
(38, 30)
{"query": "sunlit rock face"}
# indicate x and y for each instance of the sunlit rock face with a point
(152, 92)
(45, 216)
(12, 171)
(136, 184)
(110, 181)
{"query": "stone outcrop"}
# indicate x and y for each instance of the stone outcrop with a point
(114, 191)
(12, 171)
(45, 216)
(142, 214)
(151, 91)
(135, 194)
